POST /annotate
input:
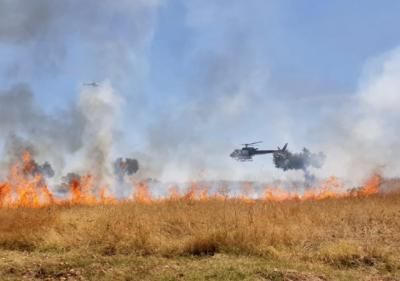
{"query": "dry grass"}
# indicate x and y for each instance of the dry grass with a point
(360, 236)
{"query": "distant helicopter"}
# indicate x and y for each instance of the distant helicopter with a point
(91, 84)
(247, 152)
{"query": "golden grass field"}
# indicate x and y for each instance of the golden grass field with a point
(332, 239)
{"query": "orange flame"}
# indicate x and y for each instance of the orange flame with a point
(142, 193)
(173, 192)
(372, 185)
(26, 187)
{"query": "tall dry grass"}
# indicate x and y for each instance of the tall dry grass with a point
(342, 232)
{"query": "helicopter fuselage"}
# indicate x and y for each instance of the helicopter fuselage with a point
(246, 153)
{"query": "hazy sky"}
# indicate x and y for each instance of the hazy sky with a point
(199, 77)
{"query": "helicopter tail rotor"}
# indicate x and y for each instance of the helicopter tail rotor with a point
(283, 148)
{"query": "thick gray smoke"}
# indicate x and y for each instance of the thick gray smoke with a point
(78, 139)
(304, 160)
(16, 148)
(23, 154)
(33, 168)
(227, 83)
(85, 130)
(51, 135)
(287, 160)
(42, 29)
(67, 181)
(82, 135)
(223, 99)
(125, 167)
(123, 170)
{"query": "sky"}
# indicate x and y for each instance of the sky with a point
(196, 78)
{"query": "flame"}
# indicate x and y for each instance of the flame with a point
(196, 191)
(26, 187)
(173, 192)
(142, 193)
(5, 190)
(81, 191)
(372, 185)
(277, 194)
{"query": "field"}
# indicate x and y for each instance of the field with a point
(353, 238)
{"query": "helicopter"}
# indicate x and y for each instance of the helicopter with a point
(248, 150)
(91, 84)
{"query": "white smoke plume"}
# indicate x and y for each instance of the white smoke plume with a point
(99, 106)
(80, 136)
(85, 131)
(24, 125)
(363, 136)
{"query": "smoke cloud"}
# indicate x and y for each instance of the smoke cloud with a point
(362, 136)
(43, 30)
(25, 127)
(287, 160)
(226, 97)
(81, 140)
(32, 168)
(99, 106)
(82, 135)
(125, 167)
(304, 160)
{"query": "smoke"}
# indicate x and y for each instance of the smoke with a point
(220, 100)
(32, 168)
(304, 160)
(66, 182)
(87, 145)
(80, 138)
(287, 160)
(100, 107)
(125, 167)
(104, 41)
(225, 82)
(226, 96)
(20, 114)
(18, 150)
(22, 21)
(123, 170)
(362, 136)
(45, 170)
(43, 31)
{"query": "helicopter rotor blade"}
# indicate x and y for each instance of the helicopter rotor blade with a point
(246, 144)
